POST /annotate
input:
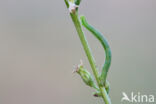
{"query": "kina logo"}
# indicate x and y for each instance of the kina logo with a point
(137, 98)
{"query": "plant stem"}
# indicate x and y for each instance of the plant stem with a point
(90, 57)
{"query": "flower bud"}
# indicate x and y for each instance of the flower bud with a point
(86, 76)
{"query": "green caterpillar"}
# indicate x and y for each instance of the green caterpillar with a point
(106, 47)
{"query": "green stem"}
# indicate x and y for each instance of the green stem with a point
(84, 42)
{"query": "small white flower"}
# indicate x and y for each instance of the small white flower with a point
(76, 68)
(72, 7)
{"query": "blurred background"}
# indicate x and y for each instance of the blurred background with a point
(39, 46)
